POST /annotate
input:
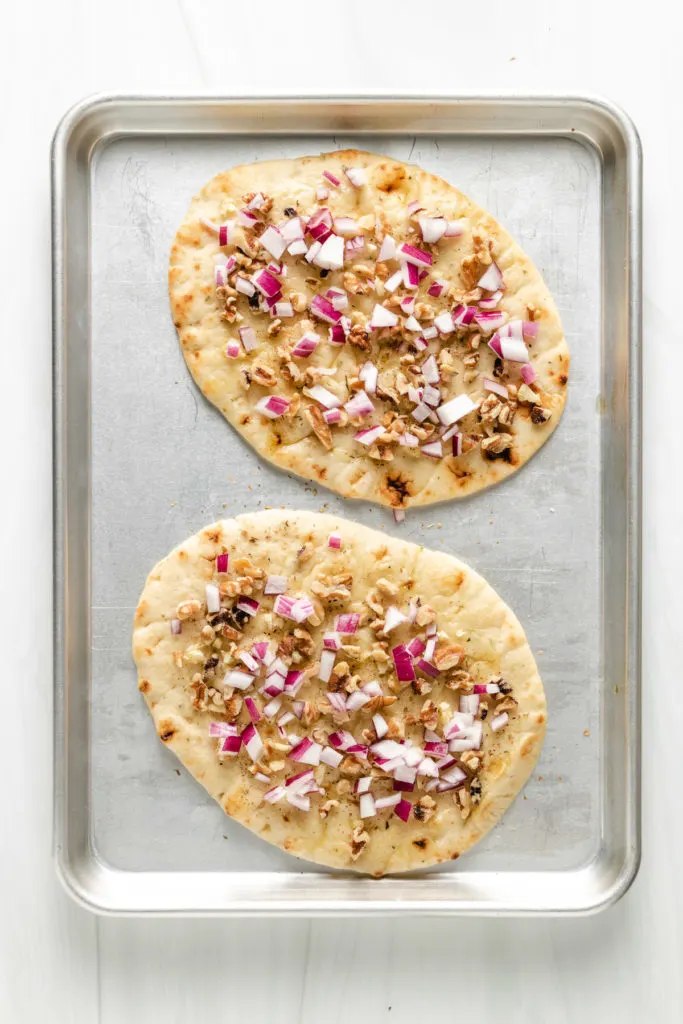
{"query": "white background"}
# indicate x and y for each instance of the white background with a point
(57, 962)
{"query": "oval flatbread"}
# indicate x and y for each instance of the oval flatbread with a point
(354, 699)
(389, 290)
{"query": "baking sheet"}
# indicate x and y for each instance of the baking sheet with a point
(163, 462)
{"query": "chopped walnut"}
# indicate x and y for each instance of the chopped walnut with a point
(328, 806)
(421, 686)
(299, 301)
(274, 328)
(387, 588)
(343, 786)
(539, 414)
(304, 641)
(373, 602)
(266, 205)
(448, 657)
(188, 609)
(497, 444)
(527, 394)
(320, 427)
(463, 798)
(333, 589)
(507, 704)
(358, 336)
(359, 840)
(350, 767)
(475, 790)
(470, 759)
(424, 808)
(425, 615)
(460, 679)
(429, 715)
(396, 729)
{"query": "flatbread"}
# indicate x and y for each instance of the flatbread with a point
(479, 642)
(385, 471)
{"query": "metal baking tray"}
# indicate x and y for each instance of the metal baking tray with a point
(142, 460)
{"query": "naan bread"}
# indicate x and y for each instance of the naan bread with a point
(188, 681)
(390, 466)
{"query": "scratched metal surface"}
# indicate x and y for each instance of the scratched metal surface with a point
(164, 463)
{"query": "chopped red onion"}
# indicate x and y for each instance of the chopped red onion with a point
(380, 726)
(302, 803)
(394, 617)
(468, 739)
(429, 333)
(331, 757)
(346, 226)
(220, 277)
(387, 250)
(404, 809)
(389, 801)
(272, 707)
(291, 229)
(437, 748)
(408, 440)
(331, 641)
(333, 180)
(437, 288)
(434, 450)
(337, 335)
(298, 247)
(338, 298)
(249, 660)
(321, 193)
(284, 310)
(356, 700)
(413, 325)
(432, 228)
(213, 598)
(368, 435)
(211, 225)
(421, 412)
(513, 349)
(492, 279)
(411, 254)
(323, 396)
(399, 515)
(413, 207)
(367, 806)
(246, 219)
(454, 410)
(464, 315)
(293, 682)
(313, 251)
(427, 667)
(408, 305)
(327, 659)
(252, 708)
(331, 255)
(368, 374)
(276, 584)
(307, 752)
(387, 749)
(528, 373)
(403, 664)
(231, 745)
(530, 329)
(176, 627)
(359, 405)
(273, 241)
(490, 321)
(266, 283)
(469, 703)
(273, 406)
(409, 275)
(248, 338)
(457, 724)
(257, 202)
(319, 227)
(323, 309)
(454, 775)
(431, 396)
(495, 387)
(252, 743)
(347, 623)
(341, 739)
(427, 767)
(356, 176)
(274, 795)
(392, 283)
(226, 233)
(363, 784)
(332, 415)
(491, 301)
(455, 228)
(247, 605)
(223, 729)
(306, 345)
(383, 317)
(444, 323)
(334, 541)
(430, 370)
(244, 286)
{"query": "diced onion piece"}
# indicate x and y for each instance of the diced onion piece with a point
(291, 229)
(347, 623)
(488, 321)
(226, 233)
(432, 228)
(491, 301)
(248, 605)
(363, 784)
(408, 304)
(306, 345)
(323, 309)
(272, 707)
(399, 515)
(232, 349)
(307, 752)
(411, 254)
(492, 279)
(455, 228)
(356, 700)
(464, 315)
(331, 255)
(293, 682)
(359, 405)
(494, 387)
(469, 703)
(433, 449)
(380, 726)
(297, 248)
(499, 721)
(266, 283)
(321, 193)
(368, 374)
(413, 325)
(313, 251)
(346, 226)
(323, 396)
(403, 664)
(394, 617)
(356, 176)
(244, 286)
(528, 373)
(392, 283)
(454, 410)
(431, 396)
(430, 333)
(383, 317)
(334, 541)
(252, 743)
(276, 584)
(444, 323)
(430, 370)
(319, 226)
(332, 178)
(327, 659)
(410, 275)
(421, 412)
(331, 757)
(213, 598)
(176, 627)
(403, 808)
(210, 224)
(389, 801)
(248, 338)
(437, 288)
(387, 250)
(338, 298)
(284, 310)
(331, 641)
(272, 406)
(332, 415)
(273, 241)
(367, 806)
(513, 349)
(369, 435)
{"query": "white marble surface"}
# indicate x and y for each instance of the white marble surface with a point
(56, 961)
